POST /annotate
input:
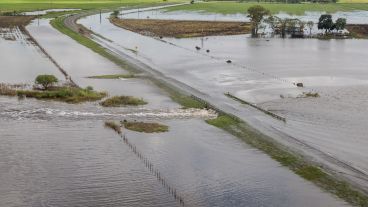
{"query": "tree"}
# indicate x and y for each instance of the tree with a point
(256, 14)
(46, 81)
(340, 24)
(310, 25)
(325, 22)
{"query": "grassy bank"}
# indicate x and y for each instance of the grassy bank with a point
(145, 127)
(181, 29)
(117, 101)
(294, 162)
(31, 5)
(298, 9)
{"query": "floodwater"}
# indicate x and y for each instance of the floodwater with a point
(20, 60)
(75, 161)
(57, 154)
(353, 17)
(264, 71)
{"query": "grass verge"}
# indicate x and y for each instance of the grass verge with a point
(117, 101)
(294, 162)
(63, 94)
(145, 127)
(112, 76)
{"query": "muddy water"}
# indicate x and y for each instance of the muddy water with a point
(263, 71)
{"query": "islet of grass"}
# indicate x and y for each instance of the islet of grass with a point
(117, 101)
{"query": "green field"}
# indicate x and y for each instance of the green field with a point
(298, 9)
(31, 5)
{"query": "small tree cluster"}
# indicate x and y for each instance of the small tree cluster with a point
(326, 23)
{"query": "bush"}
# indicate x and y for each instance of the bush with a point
(46, 81)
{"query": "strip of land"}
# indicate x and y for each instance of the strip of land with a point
(358, 30)
(181, 28)
(12, 21)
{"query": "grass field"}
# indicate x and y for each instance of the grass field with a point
(298, 9)
(31, 5)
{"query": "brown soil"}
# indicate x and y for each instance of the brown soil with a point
(181, 29)
(358, 30)
(11, 21)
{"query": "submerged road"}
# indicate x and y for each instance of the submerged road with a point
(255, 118)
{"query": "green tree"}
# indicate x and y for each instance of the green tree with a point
(325, 22)
(340, 24)
(256, 14)
(46, 81)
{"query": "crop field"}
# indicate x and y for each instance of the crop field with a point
(30, 5)
(298, 9)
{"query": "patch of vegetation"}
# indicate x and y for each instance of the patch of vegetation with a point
(311, 94)
(117, 101)
(222, 121)
(291, 160)
(64, 94)
(112, 76)
(233, 7)
(114, 126)
(145, 127)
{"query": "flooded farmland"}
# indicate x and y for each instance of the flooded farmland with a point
(58, 154)
(334, 69)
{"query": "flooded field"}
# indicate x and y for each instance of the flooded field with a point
(57, 154)
(264, 72)
(14, 70)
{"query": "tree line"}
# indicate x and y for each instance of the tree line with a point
(259, 16)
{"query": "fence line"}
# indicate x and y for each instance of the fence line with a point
(154, 171)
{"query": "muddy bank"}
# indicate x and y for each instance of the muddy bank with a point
(358, 30)
(181, 29)
(11, 21)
